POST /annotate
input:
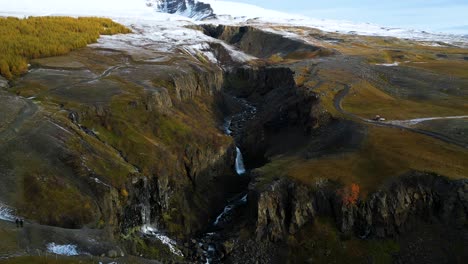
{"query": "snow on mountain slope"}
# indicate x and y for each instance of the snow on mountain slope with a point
(233, 13)
(240, 10)
(188, 8)
(211, 11)
(107, 8)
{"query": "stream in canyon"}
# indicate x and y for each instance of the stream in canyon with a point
(207, 246)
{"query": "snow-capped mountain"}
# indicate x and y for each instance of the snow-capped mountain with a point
(211, 9)
(188, 8)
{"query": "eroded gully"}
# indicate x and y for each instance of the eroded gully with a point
(209, 243)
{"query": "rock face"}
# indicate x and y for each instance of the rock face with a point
(282, 109)
(189, 8)
(285, 206)
(264, 44)
(173, 189)
(3, 83)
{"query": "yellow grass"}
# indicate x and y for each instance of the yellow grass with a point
(37, 37)
(367, 101)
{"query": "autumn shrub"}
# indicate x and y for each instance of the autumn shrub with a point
(349, 194)
(36, 37)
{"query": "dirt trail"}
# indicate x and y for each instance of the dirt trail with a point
(415, 121)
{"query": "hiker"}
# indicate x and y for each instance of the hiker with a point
(17, 222)
(21, 223)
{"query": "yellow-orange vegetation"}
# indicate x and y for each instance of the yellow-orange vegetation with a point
(36, 37)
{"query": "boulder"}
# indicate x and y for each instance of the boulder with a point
(3, 83)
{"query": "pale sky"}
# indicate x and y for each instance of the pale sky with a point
(431, 15)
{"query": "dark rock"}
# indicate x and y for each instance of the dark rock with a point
(188, 8)
(285, 206)
(267, 43)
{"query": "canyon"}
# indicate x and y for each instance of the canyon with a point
(206, 143)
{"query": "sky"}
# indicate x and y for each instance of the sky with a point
(432, 15)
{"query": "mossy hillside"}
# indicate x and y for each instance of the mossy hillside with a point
(177, 143)
(320, 242)
(392, 108)
(60, 204)
(36, 37)
(146, 137)
(48, 196)
(51, 168)
(385, 153)
(9, 241)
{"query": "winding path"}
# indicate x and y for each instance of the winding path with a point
(392, 124)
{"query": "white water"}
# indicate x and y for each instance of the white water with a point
(149, 230)
(6, 213)
(240, 168)
(228, 208)
(227, 126)
(64, 250)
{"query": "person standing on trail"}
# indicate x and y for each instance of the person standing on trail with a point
(21, 223)
(17, 222)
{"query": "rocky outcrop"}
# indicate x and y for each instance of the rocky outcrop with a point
(3, 83)
(197, 81)
(264, 44)
(257, 82)
(189, 8)
(404, 201)
(282, 110)
(285, 206)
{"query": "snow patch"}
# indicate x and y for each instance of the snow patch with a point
(396, 63)
(6, 213)
(227, 13)
(64, 250)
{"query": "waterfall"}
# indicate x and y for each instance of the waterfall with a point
(240, 168)
(145, 203)
(227, 126)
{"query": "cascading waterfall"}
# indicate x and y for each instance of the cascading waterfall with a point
(145, 204)
(240, 167)
(148, 228)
